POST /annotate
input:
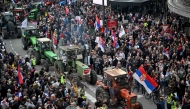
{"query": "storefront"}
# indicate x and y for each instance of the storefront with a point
(181, 7)
(142, 6)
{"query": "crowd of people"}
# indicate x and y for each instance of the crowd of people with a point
(165, 56)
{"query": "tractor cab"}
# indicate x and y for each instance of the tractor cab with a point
(71, 52)
(19, 14)
(6, 16)
(29, 35)
(44, 44)
(115, 88)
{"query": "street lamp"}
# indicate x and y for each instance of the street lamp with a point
(103, 13)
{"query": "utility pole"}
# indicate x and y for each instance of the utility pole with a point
(103, 13)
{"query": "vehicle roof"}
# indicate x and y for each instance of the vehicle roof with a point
(36, 3)
(30, 28)
(43, 40)
(7, 13)
(115, 72)
(33, 10)
(69, 48)
(19, 9)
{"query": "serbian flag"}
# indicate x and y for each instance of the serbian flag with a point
(3, 102)
(97, 23)
(180, 50)
(101, 44)
(18, 94)
(67, 10)
(130, 43)
(20, 77)
(143, 78)
(166, 52)
(114, 38)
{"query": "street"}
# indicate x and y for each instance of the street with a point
(15, 46)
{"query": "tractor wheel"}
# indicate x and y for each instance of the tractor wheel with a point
(45, 65)
(19, 33)
(103, 94)
(57, 67)
(37, 56)
(24, 42)
(74, 78)
(140, 105)
(4, 34)
(93, 77)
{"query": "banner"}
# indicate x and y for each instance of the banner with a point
(112, 23)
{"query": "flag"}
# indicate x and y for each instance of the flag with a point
(180, 50)
(122, 31)
(3, 102)
(114, 39)
(24, 23)
(18, 94)
(166, 52)
(143, 78)
(101, 44)
(67, 10)
(20, 77)
(13, 1)
(97, 23)
(130, 43)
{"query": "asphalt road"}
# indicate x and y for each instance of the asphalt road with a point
(15, 46)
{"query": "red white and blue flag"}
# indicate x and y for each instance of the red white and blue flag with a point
(114, 38)
(101, 44)
(166, 52)
(18, 94)
(143, 78)
(19, 75)
(97, 23)
(3, 102)
(180, 50)
(67, 10)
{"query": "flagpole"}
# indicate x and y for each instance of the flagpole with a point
(103, 12)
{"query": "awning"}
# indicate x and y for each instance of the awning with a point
(180, 7)
(129, 2)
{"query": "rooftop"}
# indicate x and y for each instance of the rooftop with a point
(69, 48)
(43, 40)
(115, 72)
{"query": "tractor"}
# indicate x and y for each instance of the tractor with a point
(29, 35)
(8, 26)
(44, 53)
(37, 12)
(19, 14)
(114, 88)
(76, 70)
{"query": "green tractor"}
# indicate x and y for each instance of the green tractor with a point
(77, 71)
(29, 35)
(8, 25)
(38, 10)
(44, 53)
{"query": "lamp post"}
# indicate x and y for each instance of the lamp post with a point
(103, 13)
